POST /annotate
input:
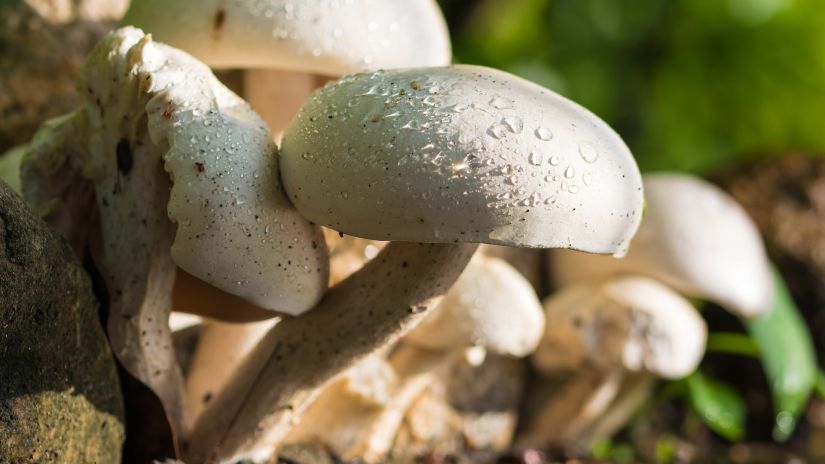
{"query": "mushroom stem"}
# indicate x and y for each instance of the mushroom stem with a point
(635, 391)
(277, 95)
(369, 310)
(221, 349)
(581, 401)
(351, 428)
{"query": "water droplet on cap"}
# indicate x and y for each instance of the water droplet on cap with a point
(543, 133)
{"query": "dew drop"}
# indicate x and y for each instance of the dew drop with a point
(497, 131)
(587, 179)
(501, 103)
(535, 158)
(570, 172)
(543, 133)
(514, 124)
(588, 152)
(554, 160)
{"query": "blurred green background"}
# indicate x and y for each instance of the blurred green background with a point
(691, 85)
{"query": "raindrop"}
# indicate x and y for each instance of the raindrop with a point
(535, 158)
(497, 131)
(543, 133)
(588, 152)
(412, 125)
(587, 179)
(514, 124)
(570, 172)
(501, 103)
(554, 160)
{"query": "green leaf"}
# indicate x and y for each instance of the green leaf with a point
(718, 405)
(820, 384)
(732, 343)
(10, 167)
(788, 358)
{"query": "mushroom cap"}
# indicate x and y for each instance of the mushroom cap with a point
(491, 305)
(235, 228)
(631, 321)
(331, 37)
(695, 238)
(460, 154)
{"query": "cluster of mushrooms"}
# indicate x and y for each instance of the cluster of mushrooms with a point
(269, 216)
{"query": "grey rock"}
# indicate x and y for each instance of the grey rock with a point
(60, 398)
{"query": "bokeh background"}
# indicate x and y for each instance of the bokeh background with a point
(690, 85)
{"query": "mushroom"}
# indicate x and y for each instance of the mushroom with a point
(283, 44)
(224, 345)
(696, 239)
(182, 173)
(441, 155)
(471, 406)
(490, 307)
(221, 348)
(623, 331)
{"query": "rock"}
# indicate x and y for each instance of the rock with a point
(44, 42)
(60, 398)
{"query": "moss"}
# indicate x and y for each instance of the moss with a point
(60, 398)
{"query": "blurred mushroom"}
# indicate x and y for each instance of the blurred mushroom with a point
(695, 238)
(442, 155)
(624, 331)
(221, 348)
(470, 406)
(183, 173)
(282, 44)
(491, 307)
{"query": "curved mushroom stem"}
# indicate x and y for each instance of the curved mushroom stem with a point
(221, 349)
(277, 95)
(579, 403)
(635, 391)
(341, 421)
(371, 309)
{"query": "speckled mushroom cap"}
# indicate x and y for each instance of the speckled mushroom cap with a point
(460, 154)
(695, 238)
(631, 321)
(491, 305)
(235, 228)
(332, 37)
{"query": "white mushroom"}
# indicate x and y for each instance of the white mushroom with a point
(355, 425)
(469, 406)
(182, 173)
(695, 238)
(282, 45)
(221, 348)
(323, 37)
(487, 157)
(490, 306)
(445, 155)
(622, 330)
